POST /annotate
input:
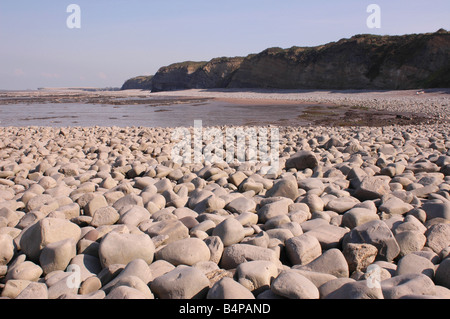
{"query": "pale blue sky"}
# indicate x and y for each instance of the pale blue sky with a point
(120, 39)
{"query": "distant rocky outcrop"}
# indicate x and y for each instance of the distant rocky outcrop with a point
(361, 62)
(216, 73)
(138, 83)
(366, 61)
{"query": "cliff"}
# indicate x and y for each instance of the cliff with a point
(362, 62)
(138, 83)
(216, 73)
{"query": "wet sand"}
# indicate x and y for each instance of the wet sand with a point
(217, 108)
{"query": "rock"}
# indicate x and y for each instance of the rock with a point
(23, 270)
(44, 232)
(125, 292)
(358, 216)
(183, 282)
(285, 188)
(34, 291)
(215, 247)
(329, 236)
(6, 249)
(376, 233)
(438, 237)
(134, 215)
(409, 284)
(292, 285)
(38, 201)
(236, 254)
(330, 262)
(136, 268)
(410, 241)
(302, 249)
(14, 287)
(230, 231)
(359, 256)
(98, 201)
(309, 184)
(105, 216)
(442, 277)
(241, 205)
(227, 289)
(414, 264)
(130, 199)
(317, 278)
(118, 248)
(372, 187)
(188, 251)
(132, 282)
(237, 178)
(395, 206)
(436, 209)
(256, 275)
(60, 287)
(333, 285)
(90, 285)
(313, 223)
(173, 230)
(302, 160)
(89, 266)
(356, 290)
(314, 202)
(57, 256)
(274, 209)
(342, 204)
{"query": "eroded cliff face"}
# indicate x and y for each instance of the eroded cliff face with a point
(361, 62)
(138, 83)
(216, 73)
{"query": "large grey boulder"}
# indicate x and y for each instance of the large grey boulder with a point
(378, 234)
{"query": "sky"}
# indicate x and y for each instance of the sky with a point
(120, 39)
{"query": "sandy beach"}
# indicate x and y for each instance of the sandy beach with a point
(355, 210)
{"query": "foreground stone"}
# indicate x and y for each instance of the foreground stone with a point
(351, 213)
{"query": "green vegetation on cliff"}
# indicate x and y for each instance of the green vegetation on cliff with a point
(363, 61)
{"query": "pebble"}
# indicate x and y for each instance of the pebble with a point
(140, 226)
(228, 289)
(57, 256)
(302, 160)
(331, 262)
(188, 251)
(292, 285)
(415, 264)
(378, 234)
(442, 276)
(359, 256)
(256, 275)
(6, 249)
(184, 282)
(355, 290)
(303, 249)
(408, 284)
(230, 231)
(34, 291)
(118, 248)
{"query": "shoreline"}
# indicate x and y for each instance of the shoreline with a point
(320, 107)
